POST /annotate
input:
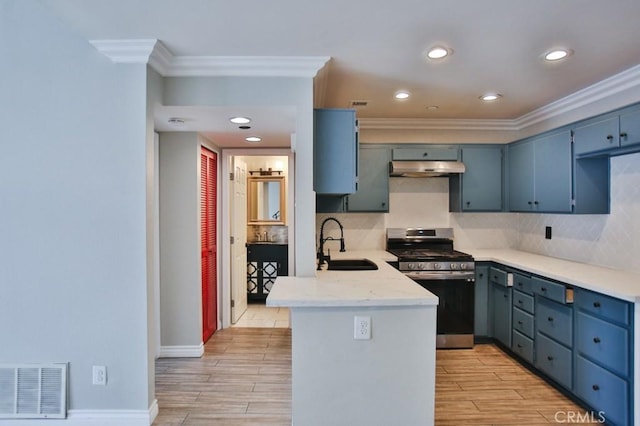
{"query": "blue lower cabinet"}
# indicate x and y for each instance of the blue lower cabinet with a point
(501, 313)
(605, 343)
(605, 392)
(522, 345)
(522, 321)
(554, 359)
(555, 320)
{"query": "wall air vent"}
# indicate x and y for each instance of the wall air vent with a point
(358, 104)
(33, 391)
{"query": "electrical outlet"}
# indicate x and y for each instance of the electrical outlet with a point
(547, 232)
(99, 375)
(362, 328)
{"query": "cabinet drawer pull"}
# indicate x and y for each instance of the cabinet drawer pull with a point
(520, 302)
(536, 203)
(610, 138)
(505, 296)
(596, 340)
(596, 304)
(519, 345)
(426, 154)
(595, 387)
(549, 357)
(550, 319)
(543, 289)
(623, 135)
(520, 322)
(480, 275)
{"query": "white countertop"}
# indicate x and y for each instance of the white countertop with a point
(612, 282)
(383, 287)
(388, 287)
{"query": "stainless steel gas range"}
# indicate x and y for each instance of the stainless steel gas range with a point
(426, 255)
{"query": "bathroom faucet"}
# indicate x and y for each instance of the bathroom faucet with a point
(322, 258)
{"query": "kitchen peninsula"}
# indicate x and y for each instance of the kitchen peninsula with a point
(338, 380)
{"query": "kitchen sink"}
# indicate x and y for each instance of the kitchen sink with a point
(351, 265)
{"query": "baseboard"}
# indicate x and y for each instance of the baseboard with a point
(94, 418)
(181, 351)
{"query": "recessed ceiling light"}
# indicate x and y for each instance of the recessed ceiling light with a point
(438, 52)
(490, 97)
(240, 120)
(176, 121)
(253, 139)
(402, 94)
(556, 54)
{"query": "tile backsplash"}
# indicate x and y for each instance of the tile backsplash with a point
(607, 240)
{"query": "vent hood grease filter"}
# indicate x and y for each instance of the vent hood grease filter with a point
(420, 169)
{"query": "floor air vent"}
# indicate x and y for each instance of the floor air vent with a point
(29, 391)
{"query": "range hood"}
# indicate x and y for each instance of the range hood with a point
(419, 169)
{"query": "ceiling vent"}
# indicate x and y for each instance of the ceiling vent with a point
(358, 104)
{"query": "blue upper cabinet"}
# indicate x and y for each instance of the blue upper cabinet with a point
(540, 174)
(480, 187)
(373, 181)
(609, 133)
(335, 151)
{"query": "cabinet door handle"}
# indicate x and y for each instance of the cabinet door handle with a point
(595, 387)
(543, 289)
(550, 319)
(536, 203)
(529, 202)
(480, 275)
(505, 296)
(610, 138)
(520, 302)
(549, 358)
(468, 203)
(519, 345)
(520, 322)
(426, 154)
(596, 340)
(596, 304)
(623, 135)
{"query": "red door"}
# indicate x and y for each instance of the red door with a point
(208, 181)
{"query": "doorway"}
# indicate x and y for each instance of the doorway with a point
(237, 229)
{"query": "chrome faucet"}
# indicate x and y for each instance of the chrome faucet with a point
(322, 258)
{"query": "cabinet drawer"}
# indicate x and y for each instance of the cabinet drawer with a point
(603, 342)
(554, 320)
(425, 153)
(523, 322)
(522, 283)
(551, 290)
(554, 359)
(604, 306)
(523, 301)
(603, 390)
(523, 346)
(498, 276)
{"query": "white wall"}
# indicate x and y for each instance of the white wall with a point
(180, 269)
(73, 218)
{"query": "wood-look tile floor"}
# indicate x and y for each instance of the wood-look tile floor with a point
(244, 378)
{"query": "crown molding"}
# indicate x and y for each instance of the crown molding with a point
(156, 54)
(619, 83)
(435, 124)
(616, 84)
(126, 51)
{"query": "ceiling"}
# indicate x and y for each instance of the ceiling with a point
(377, 48)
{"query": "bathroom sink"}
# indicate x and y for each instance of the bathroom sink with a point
(351, 265)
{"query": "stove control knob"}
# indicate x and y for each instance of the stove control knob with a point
(463, 266)
(411, 265)
(436, 266)
(453, 266)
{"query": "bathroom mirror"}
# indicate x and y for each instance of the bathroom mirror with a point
(266, 203)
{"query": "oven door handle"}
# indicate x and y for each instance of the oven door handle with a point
(467, 276)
